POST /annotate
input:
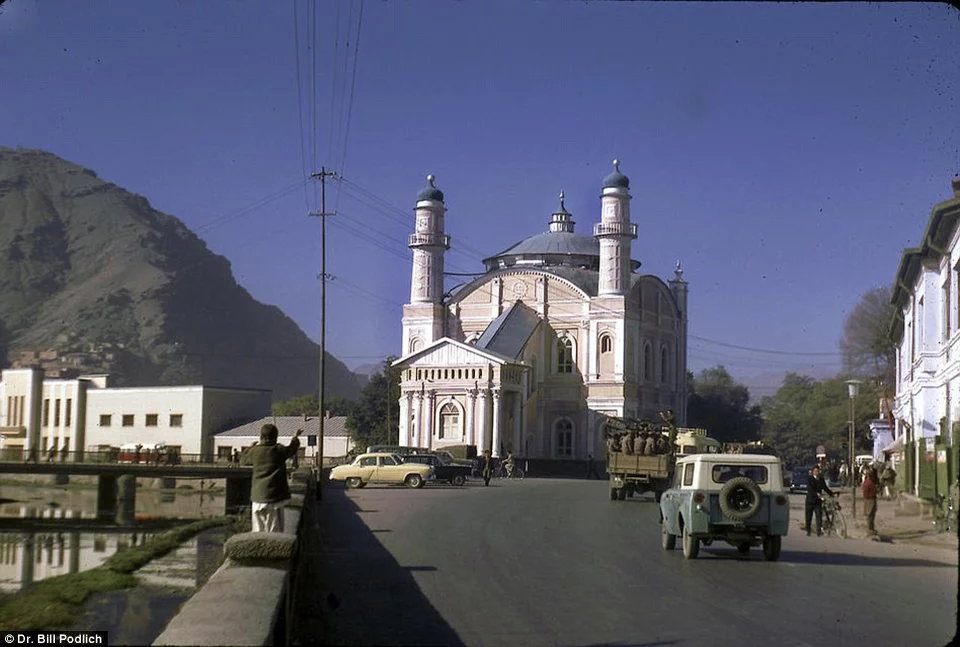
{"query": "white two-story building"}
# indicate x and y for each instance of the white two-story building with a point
(926, 330)
(61, 419)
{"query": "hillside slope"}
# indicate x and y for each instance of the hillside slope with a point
(93, 270)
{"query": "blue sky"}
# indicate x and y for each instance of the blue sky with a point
(785, 153)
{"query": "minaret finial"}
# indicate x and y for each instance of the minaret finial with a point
(562, 208)
(430, 179)
(678, 272)
(616, 165)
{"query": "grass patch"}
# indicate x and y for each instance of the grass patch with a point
(58, 601)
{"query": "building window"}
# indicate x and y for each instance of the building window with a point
(606, 344)
(105, 419)
(46, 411)
(56, 413)
(127, 420)
(419, 374)
(647, 362)
(68, 414)
(605, 361)
(664, 365)
(449, 421)
(947, 305)
(415, 344)
(151, 420)
(564, 431)
(176, 419)
(565, 355)
(224, 453)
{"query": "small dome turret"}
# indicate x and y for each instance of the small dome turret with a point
(430, 192)
(616, 180)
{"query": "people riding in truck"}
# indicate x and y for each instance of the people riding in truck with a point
(639, 442)
(626, 443)
(613, 443)
(650, 448)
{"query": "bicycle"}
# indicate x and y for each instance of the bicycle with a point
(834, 522)
(944, 514)
(501, 472)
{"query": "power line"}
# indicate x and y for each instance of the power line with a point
(353, 82)
(303, 154)
(761, 350)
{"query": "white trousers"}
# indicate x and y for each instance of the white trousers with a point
(267, 517)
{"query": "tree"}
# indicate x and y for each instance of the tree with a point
(374, 420)
(306, 405)
(805, 413)
(868, 351)
(721, 405)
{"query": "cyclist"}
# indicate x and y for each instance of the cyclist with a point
(816, 486)
(508, 464)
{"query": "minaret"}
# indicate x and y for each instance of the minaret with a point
(423, 317)
(679, 288)
(615, 233)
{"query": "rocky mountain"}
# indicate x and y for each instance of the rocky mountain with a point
(96, 277)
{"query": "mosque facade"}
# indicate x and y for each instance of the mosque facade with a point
(561, 332)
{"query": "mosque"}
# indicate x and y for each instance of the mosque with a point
(559, 333)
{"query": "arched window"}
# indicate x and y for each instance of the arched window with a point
(449, 421)
(606, 344)
(532, 384)
(664, 365)
(605, 360)
(565, 355)
(563, 429)
(415, 344)
(647, 362)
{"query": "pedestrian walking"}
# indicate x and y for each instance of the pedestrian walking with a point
(487, 470)
(887, 480)
(269, 491)
(235, 459)
(844, 473)
(870, 498)
(591, 468)
(816, 487)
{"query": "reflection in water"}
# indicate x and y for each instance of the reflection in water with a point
(73, 503)
(30, 557)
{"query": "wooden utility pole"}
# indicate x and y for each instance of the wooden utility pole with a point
(318, 459)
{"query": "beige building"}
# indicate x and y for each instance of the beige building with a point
(560, 332)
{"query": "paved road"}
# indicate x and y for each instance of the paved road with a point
(555, 562)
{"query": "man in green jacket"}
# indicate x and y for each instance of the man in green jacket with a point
(269, 491)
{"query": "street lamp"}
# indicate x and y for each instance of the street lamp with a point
(852, 387)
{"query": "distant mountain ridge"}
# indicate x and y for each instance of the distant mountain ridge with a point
(93, 270)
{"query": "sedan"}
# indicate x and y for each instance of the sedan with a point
(382, 468)
(446, 472)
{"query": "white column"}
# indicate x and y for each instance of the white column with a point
(417, 419)
(496, 423)
(404, 420)
(482, 435)
(470, 415)
(428, 420)
(517, 426)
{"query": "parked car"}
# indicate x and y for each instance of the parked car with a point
(801, 477)
(447, 458)
(736, 498)
(382, 468)
(443, 471)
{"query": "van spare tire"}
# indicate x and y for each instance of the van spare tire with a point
(740, 498)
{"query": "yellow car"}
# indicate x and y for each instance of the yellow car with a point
(382, 468)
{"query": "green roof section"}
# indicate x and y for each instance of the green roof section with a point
(616, 180)
(430, 192)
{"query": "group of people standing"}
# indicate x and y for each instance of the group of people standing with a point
(818, 490)
(645, 443)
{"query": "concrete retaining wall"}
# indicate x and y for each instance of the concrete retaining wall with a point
(250, 600)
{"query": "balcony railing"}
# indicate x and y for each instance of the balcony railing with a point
(429, 240)
(615, 229)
